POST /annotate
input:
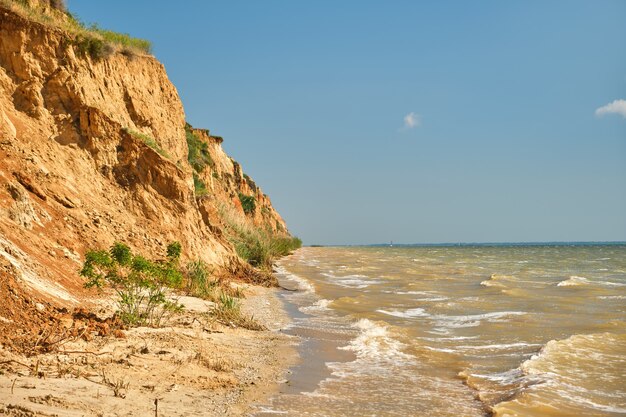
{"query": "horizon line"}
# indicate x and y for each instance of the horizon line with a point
(520, 243)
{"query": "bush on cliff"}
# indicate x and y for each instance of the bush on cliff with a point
(140, 284)
(257, 246)
(199, 157)
(248, 203)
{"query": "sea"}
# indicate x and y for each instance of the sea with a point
(470, 330)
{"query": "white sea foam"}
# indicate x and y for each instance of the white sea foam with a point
(352, 281)
(573, 281)
(374, 343)
(319, 305)
(475, 319)
(410, 313)
(511, 376)
(302, 283)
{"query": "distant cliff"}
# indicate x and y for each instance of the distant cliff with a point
(94, 148)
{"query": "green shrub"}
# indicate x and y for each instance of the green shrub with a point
(199, 157)
(140, 284)
(248, 203)
(93, 46)
(199, 186)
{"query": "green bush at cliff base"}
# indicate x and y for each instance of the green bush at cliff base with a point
(140, 284)
(261, 249)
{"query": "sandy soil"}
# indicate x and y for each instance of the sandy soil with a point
(193, 367)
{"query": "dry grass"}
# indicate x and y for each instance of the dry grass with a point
(92, 40)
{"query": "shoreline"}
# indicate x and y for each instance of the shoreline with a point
(194, 366)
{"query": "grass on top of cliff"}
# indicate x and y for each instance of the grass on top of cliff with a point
(91, 40)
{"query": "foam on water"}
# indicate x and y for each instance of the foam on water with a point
(474, 320)
(319, 306)
(374, 342)
(351, 281)
(302, 283)
(410, 313)
(573, 281)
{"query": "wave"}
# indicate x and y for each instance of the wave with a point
(580, 370)
(318, 306)
(495, 280)
(352, 281)
(474, 320)
(575, 281)
(302, 283)
(442, 320)
(374, 342)
(410, 313)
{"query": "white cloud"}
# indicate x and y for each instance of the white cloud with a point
(411, 120)
(617, 107)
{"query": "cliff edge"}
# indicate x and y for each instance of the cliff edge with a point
(94, 149)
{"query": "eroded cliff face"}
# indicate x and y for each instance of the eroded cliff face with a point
(77, 173)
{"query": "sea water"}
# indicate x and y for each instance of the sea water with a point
(456, 331)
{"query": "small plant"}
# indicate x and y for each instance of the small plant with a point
(198, 280)
(119, 386)
(229, 303)
(248, 203)
(148, 140)
(228, 312)
(140, 284)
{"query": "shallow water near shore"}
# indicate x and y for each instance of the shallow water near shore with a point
(456, 331)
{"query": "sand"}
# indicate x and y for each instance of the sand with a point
(193, 367)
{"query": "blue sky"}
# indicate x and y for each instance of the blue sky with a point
(371, 121)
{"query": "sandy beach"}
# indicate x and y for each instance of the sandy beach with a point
(193, 367)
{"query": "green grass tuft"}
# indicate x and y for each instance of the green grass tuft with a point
(150, 141)
(199, 186)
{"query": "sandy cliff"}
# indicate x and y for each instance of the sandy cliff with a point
(94, 151)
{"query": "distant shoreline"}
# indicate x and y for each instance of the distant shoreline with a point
(475, 244)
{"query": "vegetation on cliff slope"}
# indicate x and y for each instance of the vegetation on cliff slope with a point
(90, 40)
(259, 247)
